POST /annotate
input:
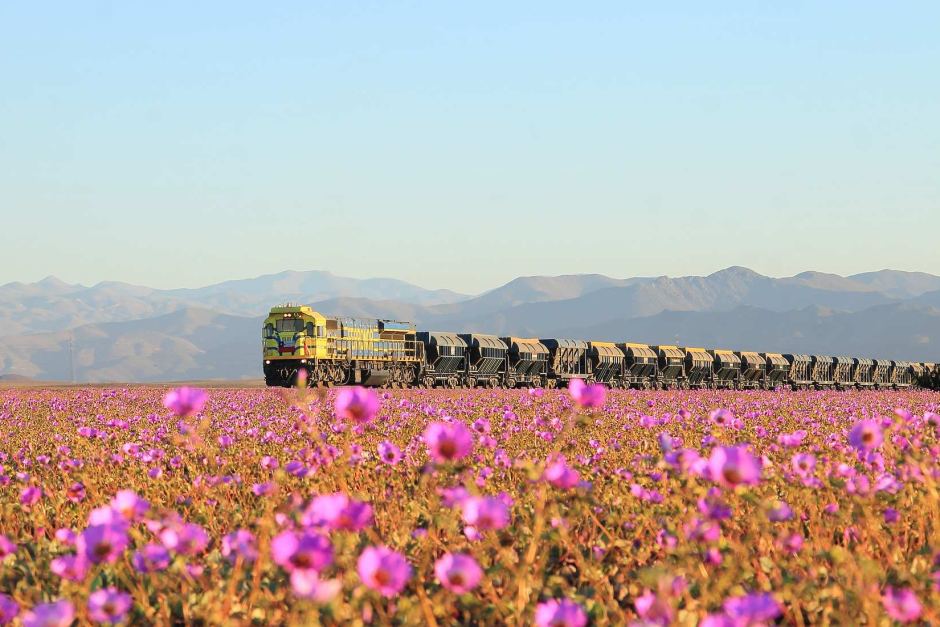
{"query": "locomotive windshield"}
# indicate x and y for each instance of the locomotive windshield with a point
(290, 325)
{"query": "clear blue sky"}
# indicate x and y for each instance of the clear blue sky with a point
(462, 144)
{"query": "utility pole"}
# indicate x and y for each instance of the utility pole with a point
(71, 359)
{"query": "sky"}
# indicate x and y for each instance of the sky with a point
(460, 145)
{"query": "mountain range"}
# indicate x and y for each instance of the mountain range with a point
(112, 331)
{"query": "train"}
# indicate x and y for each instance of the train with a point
(301, 344)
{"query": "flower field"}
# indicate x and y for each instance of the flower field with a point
(147, 505)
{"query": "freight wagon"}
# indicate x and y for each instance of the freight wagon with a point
(300, 344)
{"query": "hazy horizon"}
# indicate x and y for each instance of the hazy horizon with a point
(447, 287)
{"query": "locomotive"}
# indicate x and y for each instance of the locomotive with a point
(299, 343)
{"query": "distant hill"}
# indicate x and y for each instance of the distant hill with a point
(896, 331)
(186, 344)
(52, 305)
(130, 333)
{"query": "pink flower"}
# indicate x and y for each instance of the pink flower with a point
(901, 604)
(485, 512)
(803, 464)
(269, 463)
(866, 435)
(188, 539)
(560, 474)
(108, 605)
(653, 609)
(356, 404)
(7, 546)
(458, 572)
(58, 614)
(563, 613)
(734, 466)
(389, 453)
(185, 401)
(70, 567)
(384, 570)
(75, 492)
(721, 417)
(587, 396)
(129, 505)
(448, 442)
(338, 512)
(792, 543)
(301, 551)
(306, 584)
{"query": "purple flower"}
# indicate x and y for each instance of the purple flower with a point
(866, 435)
(452, 497)
(129, 505)
(185, 401)
(108, 605)
(891, 515)
(458, 572)
(240, 543)
(560, 474)
(75, 492)
(901, 604)
(587, 396)
(485, 512)
(448, 442)
(187, 539)
(301, 551)
(780, 512)
(30, 495)
(389, 453)
(383, 570)
(356, 404)
(7, 546)
(153, 557)
(102, 543)
(338, 512)
(58, 614)
(752, 608)
(734, 466)
(563, 613)
(9, 609)
(71, 567)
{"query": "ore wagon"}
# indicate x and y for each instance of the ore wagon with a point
(486, 360)
(727, 369)
(641, 366)
(527, 364)
(567, 359)
(753, 369)
(606, 363)
(445, 359)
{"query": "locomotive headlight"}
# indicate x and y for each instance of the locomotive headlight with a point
(267, 361)
(303, 361)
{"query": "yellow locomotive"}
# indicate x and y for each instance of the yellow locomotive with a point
(296, 340)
